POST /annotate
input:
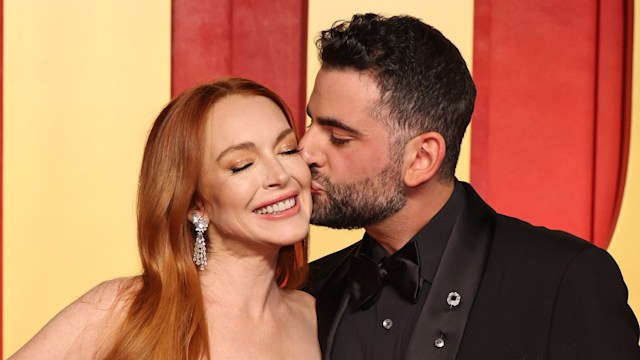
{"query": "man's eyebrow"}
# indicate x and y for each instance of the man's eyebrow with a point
(325, 121)
(338, 124)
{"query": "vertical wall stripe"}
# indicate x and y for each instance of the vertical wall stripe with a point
(548, 126)
(613, 115)
(1, 165)
(534, 72)
(625, 246)
(200, 42)
(260, 40)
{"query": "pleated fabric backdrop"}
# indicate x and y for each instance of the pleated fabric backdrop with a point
(259, 40)
(552, 125)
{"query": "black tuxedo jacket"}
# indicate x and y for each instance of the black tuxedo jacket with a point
(527, 293)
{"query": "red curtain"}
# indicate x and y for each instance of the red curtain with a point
(261, 40)
(551, 129)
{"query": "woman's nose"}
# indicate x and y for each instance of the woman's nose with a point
(277, 175)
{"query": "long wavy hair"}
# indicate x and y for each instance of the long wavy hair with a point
(166, 315)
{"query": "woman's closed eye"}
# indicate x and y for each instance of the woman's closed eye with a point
(292, 151)
(241, 166)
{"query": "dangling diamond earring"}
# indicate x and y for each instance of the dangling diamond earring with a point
(200, 248)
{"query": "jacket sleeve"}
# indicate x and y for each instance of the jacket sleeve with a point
(591, 317)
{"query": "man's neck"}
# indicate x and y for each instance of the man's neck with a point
(423, 203)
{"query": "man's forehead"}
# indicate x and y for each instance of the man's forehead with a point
(347, 78)
(341, 94)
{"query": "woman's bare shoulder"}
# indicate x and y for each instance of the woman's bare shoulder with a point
(302, 298)
(303, 325)
(83, 326)
(110, 295)
(303, 302)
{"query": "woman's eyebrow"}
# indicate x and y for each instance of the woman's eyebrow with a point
(249, 145)
(242, 146)
(284, 134)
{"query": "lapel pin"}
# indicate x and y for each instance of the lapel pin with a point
(453, 299)
(439, 343)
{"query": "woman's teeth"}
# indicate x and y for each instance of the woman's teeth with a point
(277, 207)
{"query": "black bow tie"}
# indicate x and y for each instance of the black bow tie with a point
(402, 269)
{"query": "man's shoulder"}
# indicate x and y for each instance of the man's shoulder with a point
(529, 244)
(538, 236)
(335, 257)
(513, 236)
(326, 267)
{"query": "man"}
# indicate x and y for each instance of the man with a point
(438, 274)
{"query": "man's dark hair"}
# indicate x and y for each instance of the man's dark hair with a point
(425, 84)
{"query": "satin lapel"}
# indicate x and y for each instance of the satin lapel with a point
(331, 302)
(460, 270)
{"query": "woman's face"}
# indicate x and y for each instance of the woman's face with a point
(255, 186)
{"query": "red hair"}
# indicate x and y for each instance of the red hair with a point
(166, 316)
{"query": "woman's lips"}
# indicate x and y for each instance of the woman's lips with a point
(285, 196)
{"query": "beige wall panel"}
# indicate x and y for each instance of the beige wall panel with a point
(83, 80)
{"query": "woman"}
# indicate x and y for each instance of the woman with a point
(223, 214)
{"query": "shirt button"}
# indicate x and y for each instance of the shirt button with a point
(453, 299)
(387, 323)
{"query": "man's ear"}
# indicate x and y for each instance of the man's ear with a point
(423, 157)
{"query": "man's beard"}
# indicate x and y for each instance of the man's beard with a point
(361, 203)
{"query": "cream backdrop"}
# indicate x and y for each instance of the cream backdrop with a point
(83, 80)
(82, 83)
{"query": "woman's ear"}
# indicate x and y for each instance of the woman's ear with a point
(423, 155)
(197, 209)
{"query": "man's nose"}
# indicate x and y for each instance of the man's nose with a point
(310, 149)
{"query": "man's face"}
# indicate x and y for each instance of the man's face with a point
(357, 180)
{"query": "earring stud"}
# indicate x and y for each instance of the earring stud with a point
(200, 248)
